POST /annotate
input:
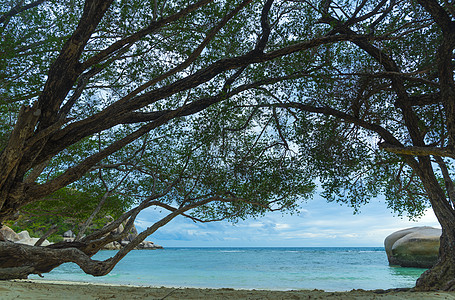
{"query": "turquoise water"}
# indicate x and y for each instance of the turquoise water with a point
(331, 269)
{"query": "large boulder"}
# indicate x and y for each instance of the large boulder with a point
(413, 247)
(130, 237)
(69, 234)
(118, 230)
(132, 234)
(113, 246)
(9, 234)
(24, 238)
(147, 245)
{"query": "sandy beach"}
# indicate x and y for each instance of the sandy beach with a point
(32, 289)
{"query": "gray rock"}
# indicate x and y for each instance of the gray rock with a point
(132, 234)
(24, 238)
(112, 246)
(69, 234)
(9, 234)
(118, 230)
(147, 245)
(413, 247)
(24, 235)
(130, 237)
(133, 231)
(124, 243)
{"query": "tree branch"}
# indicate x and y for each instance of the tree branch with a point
(18, 9)
(192, 57)
(51, 230)
(439, 14)
(381, 131)
(262, 41)
(450, 187)
(417, 151)
(155, 25)
(65, 70)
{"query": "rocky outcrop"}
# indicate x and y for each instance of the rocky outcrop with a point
(9, 234)
(26, 239)
(22, 237)
(68, 236)
(146, 245)
(413, 247)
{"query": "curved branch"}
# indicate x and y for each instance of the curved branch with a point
(18, 9)
(110, 116)
(154, 26)
(262, 41)
(37, 260)
(450, 186)
(66, 68)
(381, 131)
(192, 57)
(373, 12)
(71, 174)
(418, 151)
(439, 14)
(109, 264)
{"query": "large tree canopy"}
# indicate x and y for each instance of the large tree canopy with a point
(224, 109)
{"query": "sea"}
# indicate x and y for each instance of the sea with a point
(325, 268)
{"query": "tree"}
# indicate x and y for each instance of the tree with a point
(188, 109)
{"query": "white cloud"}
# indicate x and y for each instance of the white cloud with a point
(282, 226)
(142, 224)
(307, 235)
(319, 224)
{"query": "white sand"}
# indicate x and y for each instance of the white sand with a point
(29, 289)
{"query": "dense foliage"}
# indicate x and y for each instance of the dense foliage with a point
(224, 110)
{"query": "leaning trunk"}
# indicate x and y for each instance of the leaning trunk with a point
(17, 261)
(442, 275)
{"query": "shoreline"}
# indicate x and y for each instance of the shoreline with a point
(48, 289)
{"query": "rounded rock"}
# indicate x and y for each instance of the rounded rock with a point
(416, 247)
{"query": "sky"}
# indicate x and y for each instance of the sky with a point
(319, 224)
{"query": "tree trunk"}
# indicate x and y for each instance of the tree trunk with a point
(442, 275)
(17, 261)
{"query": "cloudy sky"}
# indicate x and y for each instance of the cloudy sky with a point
(319, 224)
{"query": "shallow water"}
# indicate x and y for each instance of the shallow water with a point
(331, 269)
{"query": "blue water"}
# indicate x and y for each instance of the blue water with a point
(330, 269)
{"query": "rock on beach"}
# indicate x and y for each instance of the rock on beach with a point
(22, 237)
(416, 247)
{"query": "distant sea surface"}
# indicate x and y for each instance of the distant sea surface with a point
(330, 269)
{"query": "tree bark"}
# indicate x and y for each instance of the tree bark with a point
(19, 260)
(442, 275)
